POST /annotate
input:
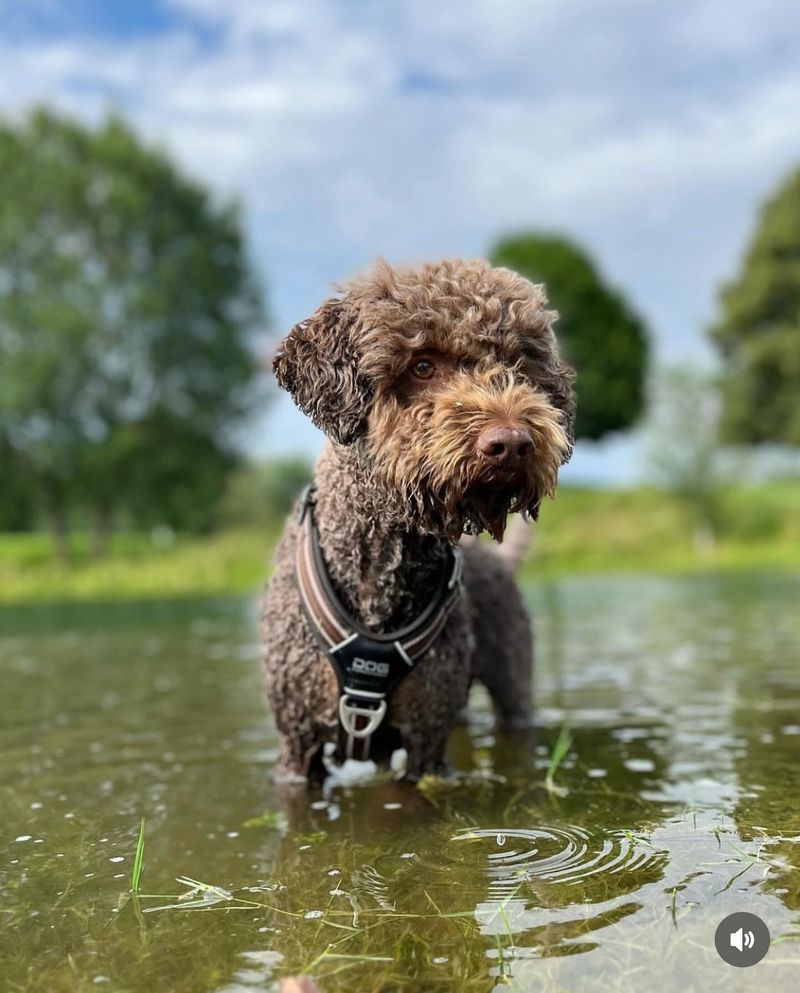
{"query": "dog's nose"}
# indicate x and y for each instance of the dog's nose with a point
(504, 445)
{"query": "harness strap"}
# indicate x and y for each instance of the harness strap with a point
(368, 666)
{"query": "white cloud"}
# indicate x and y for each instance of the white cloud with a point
(420, 129)
(735, 30)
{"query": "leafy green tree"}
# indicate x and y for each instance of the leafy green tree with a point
(263, 493)
(17, 504)
(684, 456)
(600, 335)
(758, 332)
(127, 309)
(190, 500)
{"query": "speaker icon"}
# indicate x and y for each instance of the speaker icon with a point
(742, 939)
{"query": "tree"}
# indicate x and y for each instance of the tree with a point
(17, 511)
(600, 336)
(683, 447)
(758, 332)
(127, 309)
(263, 493)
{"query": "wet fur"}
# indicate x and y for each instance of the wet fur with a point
(400, 475)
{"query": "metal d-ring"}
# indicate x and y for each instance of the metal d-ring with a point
(349, 711)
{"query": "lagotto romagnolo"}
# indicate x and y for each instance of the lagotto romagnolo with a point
(447, 408)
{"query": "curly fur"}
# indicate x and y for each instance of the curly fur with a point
(403, 473)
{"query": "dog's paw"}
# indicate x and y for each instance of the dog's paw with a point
(285, 776)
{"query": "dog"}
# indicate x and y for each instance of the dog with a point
(447, 408)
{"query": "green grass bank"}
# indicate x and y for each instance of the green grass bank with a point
(583, 530)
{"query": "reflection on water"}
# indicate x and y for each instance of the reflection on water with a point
(681, 804)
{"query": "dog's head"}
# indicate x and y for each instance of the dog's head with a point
(448, 380)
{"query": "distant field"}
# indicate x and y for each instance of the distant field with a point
(581, 531)
(647, 530)
(233, 561)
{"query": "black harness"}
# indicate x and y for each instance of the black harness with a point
(368, 666)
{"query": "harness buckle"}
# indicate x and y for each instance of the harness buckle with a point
(305, 501)
(457, 576)
(351, 709)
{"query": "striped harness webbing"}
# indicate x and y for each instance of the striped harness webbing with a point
(368, 666)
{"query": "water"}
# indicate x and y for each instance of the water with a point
(678, 803)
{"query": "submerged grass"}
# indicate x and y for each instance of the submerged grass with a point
(205, 897)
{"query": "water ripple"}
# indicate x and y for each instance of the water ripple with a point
(564, 854)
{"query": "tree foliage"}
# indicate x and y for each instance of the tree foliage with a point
(126, 306)
(263, 493)
(684, 455)
(758, 332)
(17, 509)
(600, 335)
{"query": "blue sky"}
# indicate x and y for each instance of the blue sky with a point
(648, 131)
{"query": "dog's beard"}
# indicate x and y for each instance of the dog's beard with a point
(477, 498)
(483, 500)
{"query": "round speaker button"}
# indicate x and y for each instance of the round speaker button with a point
(742, 939)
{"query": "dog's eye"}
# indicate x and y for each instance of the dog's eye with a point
(423, 369)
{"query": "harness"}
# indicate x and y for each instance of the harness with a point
(368, 666)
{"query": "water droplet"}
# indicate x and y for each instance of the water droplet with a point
(640, 765)
(501, 840)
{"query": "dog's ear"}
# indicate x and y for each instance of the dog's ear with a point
(317, 365)
(559, 382)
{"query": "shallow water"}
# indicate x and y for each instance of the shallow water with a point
(678, 803)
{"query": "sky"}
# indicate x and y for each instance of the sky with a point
(648, 131)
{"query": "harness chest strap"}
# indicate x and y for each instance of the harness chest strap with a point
(368, 666)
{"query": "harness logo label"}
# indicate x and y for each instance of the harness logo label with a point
(369, 668)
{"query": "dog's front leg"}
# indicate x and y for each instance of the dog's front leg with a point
(426, 750)
(300, 757)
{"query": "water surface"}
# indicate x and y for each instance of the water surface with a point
(678, 803)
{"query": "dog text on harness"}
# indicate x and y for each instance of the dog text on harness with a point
(369, 668)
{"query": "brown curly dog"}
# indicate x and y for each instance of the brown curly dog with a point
(447, 408)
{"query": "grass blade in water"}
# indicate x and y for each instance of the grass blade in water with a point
(558, 755)
(138, 862)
